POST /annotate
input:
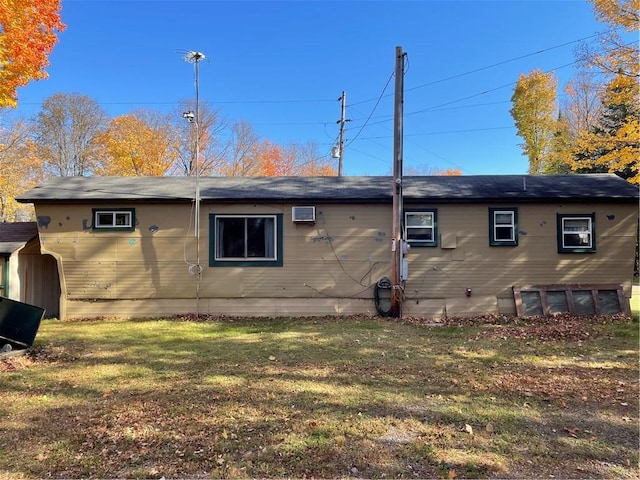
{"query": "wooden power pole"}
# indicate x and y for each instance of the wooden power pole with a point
(342, 121)
(397, 287)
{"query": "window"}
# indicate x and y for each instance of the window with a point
(420, 228)
(579, 299)
(114, 219)
(576, 233)
(246, 240)
(503, 227)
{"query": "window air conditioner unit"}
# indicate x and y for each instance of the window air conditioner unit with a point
(303, 214)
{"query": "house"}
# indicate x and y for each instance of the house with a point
(25, 274)
(272, 246)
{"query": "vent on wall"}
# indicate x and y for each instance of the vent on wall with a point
(303, 214)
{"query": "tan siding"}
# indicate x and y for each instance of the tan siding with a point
(259, 307)
(330, 266)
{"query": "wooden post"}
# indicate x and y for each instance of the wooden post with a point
(396, 241)
(343, 99)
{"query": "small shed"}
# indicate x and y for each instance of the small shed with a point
(25, 274)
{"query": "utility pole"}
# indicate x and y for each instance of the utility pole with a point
(342, 121)
(397, 287)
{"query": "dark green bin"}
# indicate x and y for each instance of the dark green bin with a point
(19, 323)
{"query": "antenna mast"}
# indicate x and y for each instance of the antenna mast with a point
(195, 58)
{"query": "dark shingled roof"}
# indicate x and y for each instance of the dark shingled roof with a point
(437, 189)
(16, 235)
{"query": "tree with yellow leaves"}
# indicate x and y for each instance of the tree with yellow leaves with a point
(614, 55)
(612, 144)
(28, 32)
(20, 170)
(534, 112)
(137, 144)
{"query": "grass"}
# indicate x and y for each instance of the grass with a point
(325, 398)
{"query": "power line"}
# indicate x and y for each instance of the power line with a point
(520, 57)
(445, 132)
(508, 61)
(373, 110)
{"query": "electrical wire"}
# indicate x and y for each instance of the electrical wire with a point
(372, 111)
(470, 72)
(335, 254)
(497, 64)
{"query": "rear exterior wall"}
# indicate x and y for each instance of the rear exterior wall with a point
(329, 267)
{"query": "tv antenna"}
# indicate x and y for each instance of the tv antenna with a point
(194, 119)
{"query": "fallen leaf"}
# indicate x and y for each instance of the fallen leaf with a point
(451, 474)
(489, 428)
(572, 432)
(225, 435)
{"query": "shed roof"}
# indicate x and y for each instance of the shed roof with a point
(602, 187)
(14, 236)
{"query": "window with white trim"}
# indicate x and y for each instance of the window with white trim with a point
(246, 240)
(421, 228)
(503, 227)
(114, 219)
(576, 233)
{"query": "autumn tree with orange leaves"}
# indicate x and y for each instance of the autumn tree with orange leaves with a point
(251, 157)
(137, 145)
(28, 33)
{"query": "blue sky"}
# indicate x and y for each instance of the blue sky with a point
(282, 65)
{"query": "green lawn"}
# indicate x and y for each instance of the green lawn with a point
(325, 398)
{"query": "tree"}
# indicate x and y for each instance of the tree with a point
(28, 33)
(137, 144)
(449, 172)
(613, 55)
(309, 163)
(272, 160)
(65, 134)
(239, 159)
(558, 158)
(425, 169)
(581, 106)
(252, 157)
(211, 142)
(534, 112)
(19, 170)
(613, 145)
